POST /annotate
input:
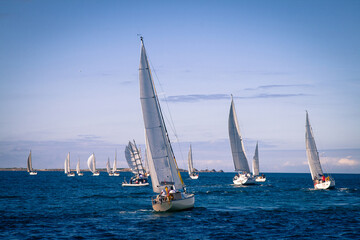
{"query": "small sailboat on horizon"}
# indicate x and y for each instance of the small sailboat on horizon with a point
(256, 173)
(108, 169)
(191, 170)
(92, 165)
(244, 177)
(30, 170)
(165, 176)
(67, 167)
(78, 172)
(134, 160)
(114, 169)
(317, 175)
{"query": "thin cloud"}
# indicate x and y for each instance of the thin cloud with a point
(277, 86)
(347, 162)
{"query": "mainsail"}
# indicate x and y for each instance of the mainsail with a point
(67, 164)
(78, 167)
(256, 162)
(29, 164)
(311, 152)
(133, 158)
(91, 163)
(162, 164)
(190, 162)
(114, 165)
(237, 147)
(108, 170)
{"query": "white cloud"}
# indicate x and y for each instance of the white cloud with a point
(347, 162)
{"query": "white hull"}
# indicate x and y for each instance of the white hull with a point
(243, 179)
(71, 174)
(116, 174)
(260, 179)
(111, 174)
(194, 176)
(32, 173)
(187, 202)
(135, 184)
(80, 174)
(325, 185)
(96, 174)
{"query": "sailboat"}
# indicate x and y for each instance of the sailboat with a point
(108, 169)
(257, 176)
(92, 165)
(241, 164)
(165, 176)
(114, 169)
(319, 179)
(29, 166)
(191, 170)
(78, 169)
(133, 158)
(67, 167)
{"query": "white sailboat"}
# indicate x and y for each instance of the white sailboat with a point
(162, 163)
(108, 169)
(256, 173)
(92, 165)
(67, 167)
(133, 158)
(317, 175)
(30, 170)
(78, 169)
(191, 170)
(241, 164)
(114, 169)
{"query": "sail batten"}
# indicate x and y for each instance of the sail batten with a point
(237, 147)
(311, 152)
(163, 160)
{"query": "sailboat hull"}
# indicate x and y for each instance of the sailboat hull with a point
(243, 179)
(325, 185)
(96, 174)
(71, 174)
(184, 203)
(260, 179)
(80, 174)
(135, 184)
(194, 176)
(116, 174)
(32, 173)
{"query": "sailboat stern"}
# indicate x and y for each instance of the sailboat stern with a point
(179, 202)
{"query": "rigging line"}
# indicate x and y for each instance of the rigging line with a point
(172, 125)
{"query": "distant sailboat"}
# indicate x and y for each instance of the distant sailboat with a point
(67, 167)
(258, 177)
(163, 167)
(30, 170)
(78, 169)
(191, 170)
(241, 164)
(133, 158)
(108, 169)
(114, 169)
(320, 182)
(92, 165)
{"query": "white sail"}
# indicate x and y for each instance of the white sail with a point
(133, 158)
(237, 147)
(78, 167)
(256, 162)
(114, 165)
(29, 164)
(108, 170)
(67, 164)
(91, 163)
(164, 171)
(190, 162)
(311, 152)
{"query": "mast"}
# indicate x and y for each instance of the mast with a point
(237, 147)
(163, 158)
(311, 151)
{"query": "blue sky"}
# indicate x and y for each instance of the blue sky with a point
(69, 79)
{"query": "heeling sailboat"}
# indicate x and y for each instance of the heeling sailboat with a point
(92, 165)
(317, 175)
(108, 169)
(114, 169)
(30, 170)
(256, 173)
(67, 167)
(163, 168)
(78, 169)
(133, 158)
(191, 170)
(241, 164)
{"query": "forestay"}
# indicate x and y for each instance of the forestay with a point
(162, 164)
(311, 152)
(237, 147)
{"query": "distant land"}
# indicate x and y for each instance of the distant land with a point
(86, 170)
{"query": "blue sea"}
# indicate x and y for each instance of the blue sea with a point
(53, 206)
